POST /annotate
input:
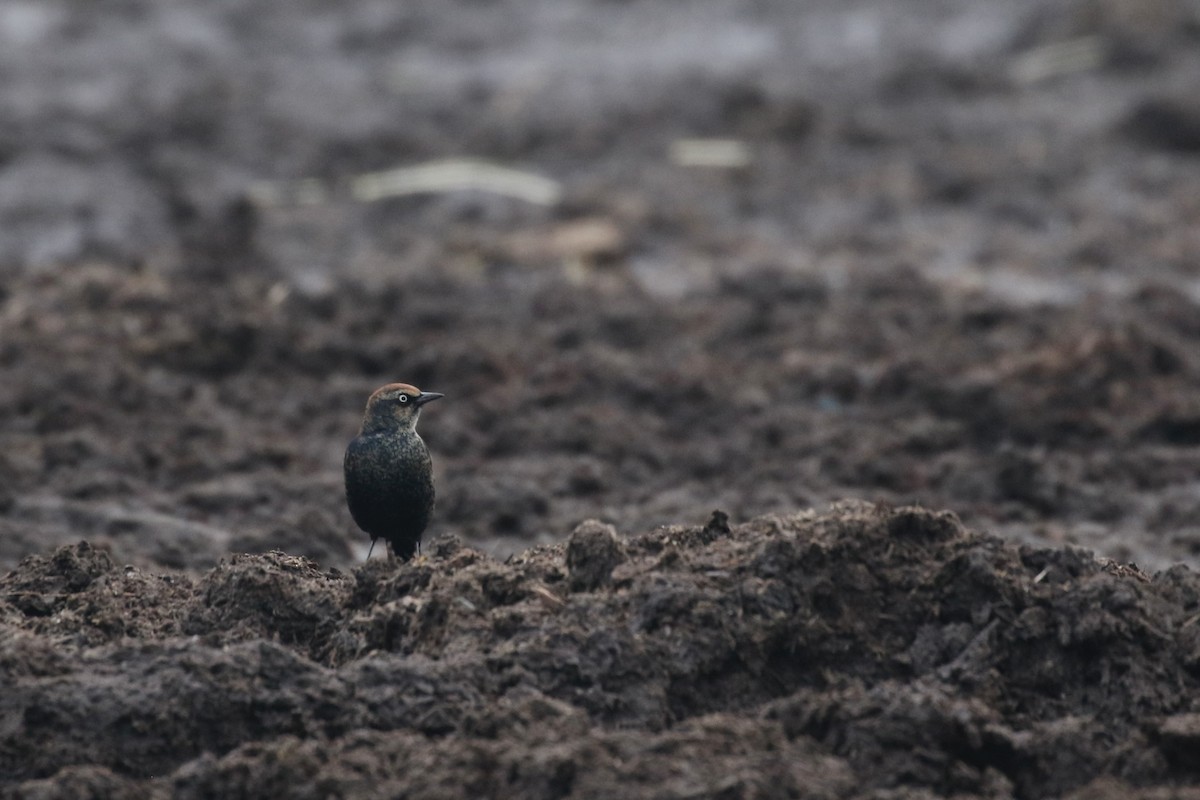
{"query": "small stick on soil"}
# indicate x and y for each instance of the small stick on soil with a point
(548, 597)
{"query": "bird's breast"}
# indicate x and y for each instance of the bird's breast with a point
(394, 456)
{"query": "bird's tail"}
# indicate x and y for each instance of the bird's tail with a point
(405, 548)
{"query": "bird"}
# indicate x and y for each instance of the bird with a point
(388, 471)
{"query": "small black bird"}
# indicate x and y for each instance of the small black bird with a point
(389, 476)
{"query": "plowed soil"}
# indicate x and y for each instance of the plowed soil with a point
(831, 655)
(748, 260)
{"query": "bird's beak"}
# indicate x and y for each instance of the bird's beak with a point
(425, 397)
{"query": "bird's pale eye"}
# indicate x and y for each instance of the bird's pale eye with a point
(403, 398)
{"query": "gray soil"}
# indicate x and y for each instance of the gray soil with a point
(952, 265)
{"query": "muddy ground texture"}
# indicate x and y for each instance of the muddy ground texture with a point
(950, 264)
(814, 655)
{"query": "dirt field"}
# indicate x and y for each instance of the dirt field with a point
(758, 257)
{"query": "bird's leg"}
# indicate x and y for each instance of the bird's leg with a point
(372, 550)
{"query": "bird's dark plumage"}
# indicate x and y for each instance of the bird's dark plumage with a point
(389, 476)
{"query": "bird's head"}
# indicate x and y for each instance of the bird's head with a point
(395, 406)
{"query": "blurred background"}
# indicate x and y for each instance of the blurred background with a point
(662, 257)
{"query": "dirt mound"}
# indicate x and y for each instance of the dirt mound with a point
(811, 655)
